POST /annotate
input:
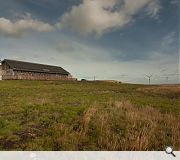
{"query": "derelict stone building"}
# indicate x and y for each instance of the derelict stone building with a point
(19, 70)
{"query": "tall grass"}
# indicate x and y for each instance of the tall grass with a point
(117, 125)
(123, 126)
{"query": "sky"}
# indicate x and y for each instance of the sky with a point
(121, 40)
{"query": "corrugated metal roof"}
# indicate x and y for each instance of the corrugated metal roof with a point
(35, 67)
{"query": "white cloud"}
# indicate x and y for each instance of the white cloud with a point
(153, 9)
(99, 16)
(17, 28)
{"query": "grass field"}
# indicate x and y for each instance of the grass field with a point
(45, 115)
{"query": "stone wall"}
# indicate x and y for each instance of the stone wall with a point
(22, 75)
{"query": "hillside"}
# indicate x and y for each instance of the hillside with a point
(51, 115)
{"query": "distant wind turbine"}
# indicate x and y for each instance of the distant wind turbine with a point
(149, 77)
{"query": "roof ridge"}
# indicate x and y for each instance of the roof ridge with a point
(31, 63)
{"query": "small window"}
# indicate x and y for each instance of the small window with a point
(46, 70)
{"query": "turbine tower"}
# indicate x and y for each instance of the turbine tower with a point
(149, 77)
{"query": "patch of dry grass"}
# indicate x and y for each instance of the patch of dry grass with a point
(123, 126)
(161, 89)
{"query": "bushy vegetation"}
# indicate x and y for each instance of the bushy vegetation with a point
(50, 115)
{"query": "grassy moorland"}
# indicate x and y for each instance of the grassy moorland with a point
(44, 115)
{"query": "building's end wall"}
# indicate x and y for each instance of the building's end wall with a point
(0, 72)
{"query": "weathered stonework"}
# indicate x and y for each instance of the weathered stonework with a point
(9, 73)
(0, 72)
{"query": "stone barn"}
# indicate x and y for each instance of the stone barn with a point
(19, 70)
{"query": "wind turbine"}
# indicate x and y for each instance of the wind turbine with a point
(149, 77)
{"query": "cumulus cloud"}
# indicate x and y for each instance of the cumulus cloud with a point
(99, 16)
(9, 28)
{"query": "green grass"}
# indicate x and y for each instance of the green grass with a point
(47, 115)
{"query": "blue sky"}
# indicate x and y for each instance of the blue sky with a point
(111, 39)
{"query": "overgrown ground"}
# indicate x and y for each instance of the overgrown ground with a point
(44, 115)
